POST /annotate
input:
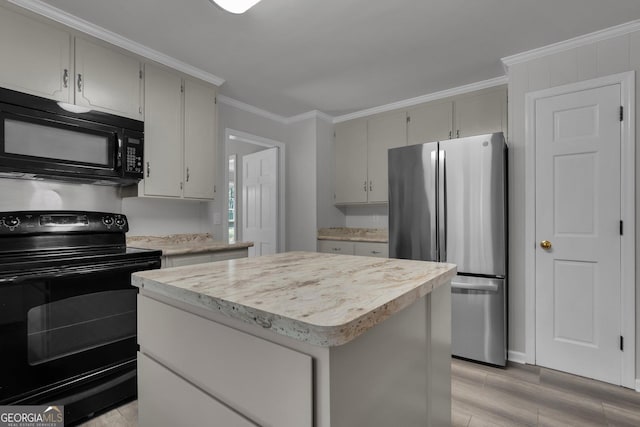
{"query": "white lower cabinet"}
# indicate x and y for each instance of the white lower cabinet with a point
(380, 250)
(258, 382)
(200, 258)
(336, 247)
(169, 400)
(373, 249)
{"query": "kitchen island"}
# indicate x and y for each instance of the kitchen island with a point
(295, 339)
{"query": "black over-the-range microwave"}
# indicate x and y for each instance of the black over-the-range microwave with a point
(41, 138)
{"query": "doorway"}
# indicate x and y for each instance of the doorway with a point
(580, 294)
(240, 148)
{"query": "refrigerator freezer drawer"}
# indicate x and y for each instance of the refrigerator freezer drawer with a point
(478, 328)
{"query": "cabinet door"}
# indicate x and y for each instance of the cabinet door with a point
(378, 250)
(430, 122)
(163, 133)
(481, 113)
(107, 80)
(384, 132)
(199, 140)
(351, 162)
(36, 58)
(335, 247)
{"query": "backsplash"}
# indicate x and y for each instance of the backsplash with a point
(146, 216)
(367, 216)
(23, 194)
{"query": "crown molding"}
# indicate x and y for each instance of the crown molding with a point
(98, 32)
(607, 33)
(251, 109)
(423, 98)
(314, 114)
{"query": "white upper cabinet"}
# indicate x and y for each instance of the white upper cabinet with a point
(362, 145)
(481, 113)
(107, 80)
(200, 130)
(383, 132)
(36, 57)
(163, 133)
(351, 162)
(430, 122)
(180, 127)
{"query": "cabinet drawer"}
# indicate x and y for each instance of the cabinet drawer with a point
(180, 260)
(165, 399)
(268, 383)
(336, 247)
(380, 250)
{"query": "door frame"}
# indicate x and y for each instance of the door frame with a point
(627, 210)
(236, 135)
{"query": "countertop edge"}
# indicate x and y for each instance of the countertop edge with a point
(319, 335)
(195, 250)
(353, 239)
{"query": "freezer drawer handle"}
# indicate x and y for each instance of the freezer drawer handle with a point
(474, 287)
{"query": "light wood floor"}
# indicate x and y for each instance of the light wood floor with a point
(520, 395)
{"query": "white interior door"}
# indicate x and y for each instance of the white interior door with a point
(260, 201)
(578, 211)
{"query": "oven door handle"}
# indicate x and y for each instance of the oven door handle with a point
(58, 273)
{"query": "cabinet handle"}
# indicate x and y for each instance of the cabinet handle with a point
(376, 252)
(365, 185)
(370, 185)
(450, 135)
(148, 169)
(458, 133)
(187, 174)
(79, 82)
(65, 78)
(336, 249)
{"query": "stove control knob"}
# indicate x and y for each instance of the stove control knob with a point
(11, 222)
(120, 222)
(108, 221)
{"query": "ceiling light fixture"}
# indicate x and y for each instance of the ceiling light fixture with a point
(235, 6)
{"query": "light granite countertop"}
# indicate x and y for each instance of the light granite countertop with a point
(181, 244)
(322, 299)
(353, 234)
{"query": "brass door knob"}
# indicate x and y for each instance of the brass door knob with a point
(545, 244)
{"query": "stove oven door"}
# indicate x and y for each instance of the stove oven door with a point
(63, 329)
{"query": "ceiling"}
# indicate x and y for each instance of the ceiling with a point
(339, 56)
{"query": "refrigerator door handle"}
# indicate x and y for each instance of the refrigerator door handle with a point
(489, 287)
(433, 206)
(442, 206)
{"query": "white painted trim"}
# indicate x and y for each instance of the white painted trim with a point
(251, 109)
(364, 113)
(627, 82)
(231, 134)
(98, 32)
(315, 114)
(637, 387)
(516, 357)
(607, 33)
(424, 98)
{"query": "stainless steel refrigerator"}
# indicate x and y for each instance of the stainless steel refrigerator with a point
(447, 203)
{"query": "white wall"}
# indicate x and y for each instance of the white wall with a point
(301, 186)
(597, 59)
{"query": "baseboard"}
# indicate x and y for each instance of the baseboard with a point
(638, 385)
(518, 357)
